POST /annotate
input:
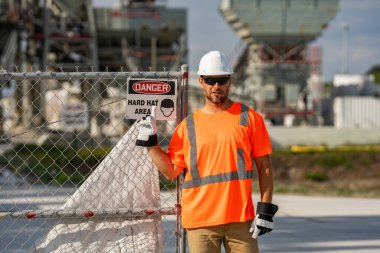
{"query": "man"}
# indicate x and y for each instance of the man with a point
(214, 146)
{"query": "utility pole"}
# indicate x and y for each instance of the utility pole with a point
(345, 54)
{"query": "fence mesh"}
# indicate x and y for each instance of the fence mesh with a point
(71, 177)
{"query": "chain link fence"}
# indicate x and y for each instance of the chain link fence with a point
(71, 177)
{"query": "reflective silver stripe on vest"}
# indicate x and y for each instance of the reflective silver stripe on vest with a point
(244, 115)
(193, 147)
(216, 179)
(241, 162)
(196, 181)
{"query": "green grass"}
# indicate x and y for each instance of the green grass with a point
(326, 172)
(333, 159)
(286, 189)
(316, 176)
(57, 165)
(348, 157)
(53, 164)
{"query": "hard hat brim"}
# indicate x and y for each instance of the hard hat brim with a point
(215, 73)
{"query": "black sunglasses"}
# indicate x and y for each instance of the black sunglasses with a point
(213, 80)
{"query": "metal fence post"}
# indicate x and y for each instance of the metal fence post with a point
(184, 112)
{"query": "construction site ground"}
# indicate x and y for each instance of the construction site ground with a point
(344, 217)
(302, 224)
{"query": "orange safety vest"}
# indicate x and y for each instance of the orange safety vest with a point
(216, 150)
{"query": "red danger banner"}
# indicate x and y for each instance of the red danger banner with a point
(154, 87)
(151, 87)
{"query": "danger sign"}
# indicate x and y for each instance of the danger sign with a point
(142, 94)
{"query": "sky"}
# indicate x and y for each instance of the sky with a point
(207, 30)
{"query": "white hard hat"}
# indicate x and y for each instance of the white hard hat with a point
(214, 63)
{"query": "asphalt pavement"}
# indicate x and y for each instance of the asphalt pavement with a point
(324, 224)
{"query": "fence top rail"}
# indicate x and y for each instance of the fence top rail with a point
(38, 75)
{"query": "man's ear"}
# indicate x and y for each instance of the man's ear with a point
(200, 81)
(230, 81)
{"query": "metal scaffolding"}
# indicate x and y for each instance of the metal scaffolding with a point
(276, 64)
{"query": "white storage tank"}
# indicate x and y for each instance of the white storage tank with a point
(356, 112)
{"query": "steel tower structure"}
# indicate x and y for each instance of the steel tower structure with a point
(274, 67)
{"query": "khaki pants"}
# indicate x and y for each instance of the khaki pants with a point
(235, 237)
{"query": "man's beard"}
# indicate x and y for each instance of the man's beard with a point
(217, 98)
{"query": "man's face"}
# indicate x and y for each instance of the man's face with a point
(215, 88)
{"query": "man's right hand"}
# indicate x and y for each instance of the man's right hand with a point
(147, 127)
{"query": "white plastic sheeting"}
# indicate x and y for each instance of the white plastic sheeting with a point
(126, 178)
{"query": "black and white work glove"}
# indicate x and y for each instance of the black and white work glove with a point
(147, 127)
(263, 222)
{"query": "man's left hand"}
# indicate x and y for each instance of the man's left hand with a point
(263, 222)
(147, 136)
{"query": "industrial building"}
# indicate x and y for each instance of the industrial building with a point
(72, 35)
(56, 34)
(277, 72)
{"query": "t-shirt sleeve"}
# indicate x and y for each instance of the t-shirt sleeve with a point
(176, 149)
(260, 141)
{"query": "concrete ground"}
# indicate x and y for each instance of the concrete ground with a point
(302, 224)
(324, 224)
